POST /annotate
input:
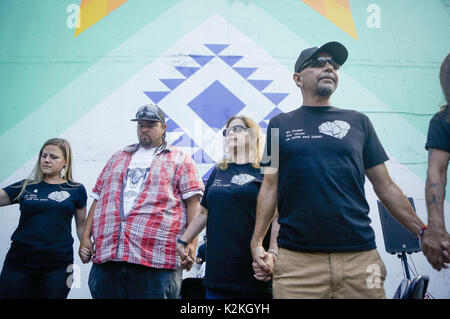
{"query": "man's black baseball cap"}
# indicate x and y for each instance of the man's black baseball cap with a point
(335, 49)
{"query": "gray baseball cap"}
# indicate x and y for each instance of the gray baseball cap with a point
(150, 112)
(335, 49)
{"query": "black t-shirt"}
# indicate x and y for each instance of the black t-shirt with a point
(201, 253)
(323, 155)
(230, 197)
(439, 131)
(43, 238)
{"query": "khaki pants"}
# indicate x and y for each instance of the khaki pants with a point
(345, 275)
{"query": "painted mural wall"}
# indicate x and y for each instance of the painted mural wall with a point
(203, 61)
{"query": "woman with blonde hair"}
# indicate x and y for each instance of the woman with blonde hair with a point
(36, 265)
(228, 209)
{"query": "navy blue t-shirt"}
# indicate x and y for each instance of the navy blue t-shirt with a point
(43, 238)
(323, 155)
(439, 131)
(230, 197)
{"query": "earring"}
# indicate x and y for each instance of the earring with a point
(63, 172)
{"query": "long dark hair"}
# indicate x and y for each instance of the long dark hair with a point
(444, 77)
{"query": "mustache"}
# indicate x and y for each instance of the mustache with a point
(327, 76)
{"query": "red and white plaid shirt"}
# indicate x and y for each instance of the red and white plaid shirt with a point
(148, 234)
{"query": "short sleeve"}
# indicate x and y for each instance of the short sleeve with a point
(13, 191)
(211, 179)
(438, 133)
(188, 177)
(81, 198)
(97, 190)
(272, 139)
(373, 152)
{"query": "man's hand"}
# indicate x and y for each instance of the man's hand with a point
(434, 248)
(86, 250)
(260, 272)
(185, 256)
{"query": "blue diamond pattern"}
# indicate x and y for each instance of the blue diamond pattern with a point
(216, 104)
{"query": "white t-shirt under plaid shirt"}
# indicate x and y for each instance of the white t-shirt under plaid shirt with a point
(147, 234)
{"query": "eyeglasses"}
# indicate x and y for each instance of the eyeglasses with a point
(234, 129)
(319, 63)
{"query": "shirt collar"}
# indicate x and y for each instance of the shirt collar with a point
(134, 147)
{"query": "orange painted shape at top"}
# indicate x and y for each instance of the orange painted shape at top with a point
(337, 12)
(113, 5)
(317, 5)
(344, 3)
(85, 2)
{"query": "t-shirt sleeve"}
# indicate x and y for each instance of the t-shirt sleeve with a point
(188, 177)
(82, 197)
(212, 176)
(272, 141)
(13, 191)
(373, 152)
(437, 136)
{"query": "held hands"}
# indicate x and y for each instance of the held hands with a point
(186, 255)
(263, 264)
(86, 250)
(436, 247)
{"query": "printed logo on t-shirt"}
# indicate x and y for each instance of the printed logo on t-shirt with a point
(336, 129)
(59, 196)
(242, 179)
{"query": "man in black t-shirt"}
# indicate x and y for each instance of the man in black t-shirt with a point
(319, 156)
(438, 146)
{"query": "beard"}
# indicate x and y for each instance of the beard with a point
(325, 90)
(146, 141)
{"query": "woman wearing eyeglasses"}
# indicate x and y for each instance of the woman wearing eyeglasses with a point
(228, 211)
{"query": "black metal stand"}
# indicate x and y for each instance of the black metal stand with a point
(402, 256)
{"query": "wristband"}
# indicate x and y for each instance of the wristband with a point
(182, 242)
(422, 231)
(273, 252)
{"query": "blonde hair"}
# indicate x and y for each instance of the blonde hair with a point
(255, 142)
(38, 176)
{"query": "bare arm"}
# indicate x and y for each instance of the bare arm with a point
(393, 198)
(197, 224)
(192, 207)
(4, 198)
(436, 233)
(265, 212)
(262, 273)
(80, 221)
(435, 187)
(86, 250)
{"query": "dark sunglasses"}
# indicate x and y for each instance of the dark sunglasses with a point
(319, 63)
(234, 129)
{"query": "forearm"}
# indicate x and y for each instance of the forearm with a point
(435, 195)
(87, 229)
(80, 229)
(274, 233)
(196, 225)
(399, 207)
(193, 207)
(265, 212)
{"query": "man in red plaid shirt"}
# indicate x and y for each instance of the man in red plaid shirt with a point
(144, 198)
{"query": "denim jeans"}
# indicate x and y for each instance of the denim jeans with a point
(122, 280)
(25, 283)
